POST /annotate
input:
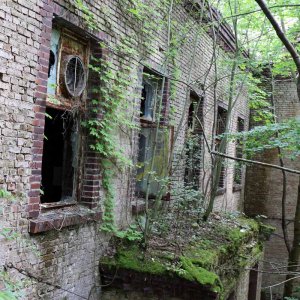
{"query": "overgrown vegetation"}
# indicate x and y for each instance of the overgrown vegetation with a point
(210, 255)
(118, 84)
(119, 95)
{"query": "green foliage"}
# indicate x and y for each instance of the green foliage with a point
(131, 234)
(257, 34)
(296, 294)
(87, 15)
(5, 194)
(12, 288)
(7, 295)
(118, 84)
(5, 232)
(284, 135)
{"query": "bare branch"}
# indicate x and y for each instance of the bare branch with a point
(256, 162)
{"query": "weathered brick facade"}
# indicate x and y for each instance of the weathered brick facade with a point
(263, 190)
(63, 245)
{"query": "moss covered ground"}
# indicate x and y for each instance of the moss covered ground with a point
(212, 255)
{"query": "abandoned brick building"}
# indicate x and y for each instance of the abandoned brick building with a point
(45, 50)
(263, 190)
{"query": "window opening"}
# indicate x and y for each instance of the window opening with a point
(191, 121)
(221, 127)
(59, 156)
(232, 296)
(161, 156)
(67, 80)
(51, 63)
(221, 121)
(194, 143)
(239, 152)
(253, 283)
(150, 92)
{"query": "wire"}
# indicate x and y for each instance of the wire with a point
(38, 279)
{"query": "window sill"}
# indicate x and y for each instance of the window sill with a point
(236, 188)
(54, 205)
(221, 191)
(63, 217)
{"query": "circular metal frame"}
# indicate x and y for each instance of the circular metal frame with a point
(74, 75)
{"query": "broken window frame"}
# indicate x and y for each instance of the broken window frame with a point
(67, 44)
(61, 101)
(194, 134)
(149, 119)
(161, 159)
(152, 86)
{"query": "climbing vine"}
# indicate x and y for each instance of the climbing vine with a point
(118, 84)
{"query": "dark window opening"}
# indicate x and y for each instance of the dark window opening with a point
(150, 93)
(51, 63)
(221, 183)
(194, 143)
(59, 156)
(221, 120)
(239, 153)
(220, 129)
(191, 116)
(231, 296)
(253, 281)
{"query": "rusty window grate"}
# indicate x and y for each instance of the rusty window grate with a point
(75, 76)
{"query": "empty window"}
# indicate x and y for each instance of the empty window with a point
(150, 93)
(221, 128)
(148, 139)
(59, 156)
(239, 153)
(194, 142)
(66, 84)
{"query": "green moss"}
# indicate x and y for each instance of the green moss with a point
(203, 254)
(132, 258)
(201, 275)
(203, 261)
(249, 223)
(266, 230)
